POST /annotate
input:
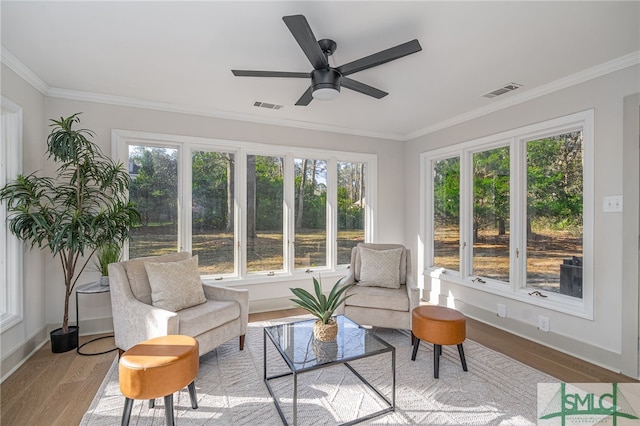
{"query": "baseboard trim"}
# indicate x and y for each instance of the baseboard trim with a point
(22, 353)
(589, 353)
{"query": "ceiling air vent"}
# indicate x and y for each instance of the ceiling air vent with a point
(504, 89)
(267, 105)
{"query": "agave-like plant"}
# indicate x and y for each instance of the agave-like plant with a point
(321, 306)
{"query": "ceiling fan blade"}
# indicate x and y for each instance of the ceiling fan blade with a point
(306, 97)
(248, 73)
(380, 58)
(362, 88)
(301, 31)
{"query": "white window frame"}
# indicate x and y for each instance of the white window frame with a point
(11, 255)
(122, 139)
(516, 140)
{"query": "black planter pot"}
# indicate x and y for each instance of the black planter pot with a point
(64, 342)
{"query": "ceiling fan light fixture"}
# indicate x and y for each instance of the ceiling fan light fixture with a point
(326, 93)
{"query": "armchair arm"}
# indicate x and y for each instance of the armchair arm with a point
(413, 292)
(214, 292)
(133, 320)
(350, 278)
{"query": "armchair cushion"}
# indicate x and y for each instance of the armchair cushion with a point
(137, 275)
(356, 259)
(198, 319)
(175, 285)
(379, 298)
(380, 268)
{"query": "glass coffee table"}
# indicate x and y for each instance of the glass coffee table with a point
(295, 343)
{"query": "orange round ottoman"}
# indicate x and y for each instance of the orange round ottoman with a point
(157, 368)
(440, 326)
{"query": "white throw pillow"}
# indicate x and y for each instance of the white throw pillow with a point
(175, 285)
(380, 268)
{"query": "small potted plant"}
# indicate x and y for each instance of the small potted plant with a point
(107, 253)
(322, 307)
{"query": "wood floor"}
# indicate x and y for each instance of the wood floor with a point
(56, 389)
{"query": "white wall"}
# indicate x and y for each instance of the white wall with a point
(20, 340)
(600, 340)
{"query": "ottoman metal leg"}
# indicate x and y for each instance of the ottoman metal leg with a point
(464, 361)
(126, 413)
(168, 409)
(416, 343)
(437, 350)
(192, 395)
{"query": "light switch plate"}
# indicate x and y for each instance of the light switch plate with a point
(612, 203)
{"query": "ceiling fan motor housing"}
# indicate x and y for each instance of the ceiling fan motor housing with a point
(325, 79)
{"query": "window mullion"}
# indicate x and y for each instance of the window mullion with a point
(240, 219)
(288, 220)
(185, 183)
(518, 216)
(466, 213)
(332, 213)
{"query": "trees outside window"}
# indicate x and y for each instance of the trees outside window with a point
(517, 206)
(265, 196)
(446, 213)
(212, 211)
(310, 213)
(248, 211)
(491, 213)
(351, 212)
(154, 190)
(555, 213)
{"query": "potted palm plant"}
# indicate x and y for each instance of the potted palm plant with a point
(74, 213)
(322, 307)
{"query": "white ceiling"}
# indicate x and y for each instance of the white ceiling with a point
(178, 55)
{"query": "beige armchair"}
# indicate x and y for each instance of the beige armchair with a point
(386, 292)
(223, 315)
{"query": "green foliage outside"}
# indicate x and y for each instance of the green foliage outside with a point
(554, 185)
(154, 189)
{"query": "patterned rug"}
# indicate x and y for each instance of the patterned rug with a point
(496, 390)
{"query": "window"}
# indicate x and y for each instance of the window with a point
(265, 197)
(249, 211)
(154, 189)
(511, 213)
(11, 252)
(491, 214)
(554, 213)
(212, 211)
(351, 202)
(310, 208)
(446, 213)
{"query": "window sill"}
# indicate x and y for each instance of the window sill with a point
(555, 302)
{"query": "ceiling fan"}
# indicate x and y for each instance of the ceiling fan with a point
(326, 81)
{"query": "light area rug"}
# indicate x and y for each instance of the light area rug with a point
(496, 390)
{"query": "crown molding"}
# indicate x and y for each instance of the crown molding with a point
(563, 83)
(23, 71)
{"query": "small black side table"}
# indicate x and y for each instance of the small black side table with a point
(91, 288)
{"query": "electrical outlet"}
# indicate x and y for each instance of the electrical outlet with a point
(543, 323)
(502, 310)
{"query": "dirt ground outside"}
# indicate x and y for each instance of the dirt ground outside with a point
(216, 250)
(546, 251)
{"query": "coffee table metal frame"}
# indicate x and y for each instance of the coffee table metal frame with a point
(271, 334)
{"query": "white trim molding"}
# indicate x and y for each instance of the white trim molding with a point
(11, 254)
